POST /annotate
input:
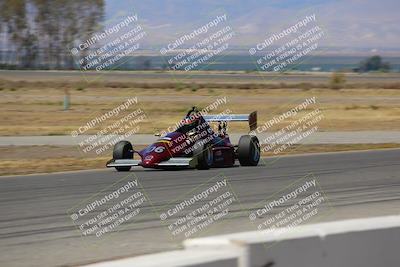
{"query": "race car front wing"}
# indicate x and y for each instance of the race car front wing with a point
(172, 162)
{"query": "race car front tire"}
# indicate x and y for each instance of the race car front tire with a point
(123, 150)
(204, 155)
(248, 150)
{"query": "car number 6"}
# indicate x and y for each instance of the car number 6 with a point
(159, 149)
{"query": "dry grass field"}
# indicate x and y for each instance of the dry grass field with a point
(36, 108)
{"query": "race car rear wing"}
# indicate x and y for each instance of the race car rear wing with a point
(251, 118)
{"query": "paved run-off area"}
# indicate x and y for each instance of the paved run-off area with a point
(355, 137)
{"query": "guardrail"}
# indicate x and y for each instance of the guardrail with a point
(368, 242)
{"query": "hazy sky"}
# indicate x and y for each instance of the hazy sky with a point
(347, 23)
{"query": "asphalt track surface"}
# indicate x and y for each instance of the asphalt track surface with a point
(35, 229)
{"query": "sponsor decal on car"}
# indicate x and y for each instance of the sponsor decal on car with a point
(149, 157)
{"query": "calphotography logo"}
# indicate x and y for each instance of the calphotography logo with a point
(102, 132)
(106, 49)
(213, 106)
(199, 209)
(283, 49)
(107, 211)
(193, 50)
(298, 204)
(291, 128)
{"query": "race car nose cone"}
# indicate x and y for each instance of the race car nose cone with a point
(153, 158)
(148, 161)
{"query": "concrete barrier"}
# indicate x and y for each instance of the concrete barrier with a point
(362, 242)
(368, 242)
(181, 258)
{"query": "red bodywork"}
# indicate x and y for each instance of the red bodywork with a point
(164, 149)
(193, 144)
(176, 144)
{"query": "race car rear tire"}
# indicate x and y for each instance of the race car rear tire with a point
(204, 155)
(123, 150)
(249, 150)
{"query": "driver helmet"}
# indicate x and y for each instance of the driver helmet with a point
(192, 119)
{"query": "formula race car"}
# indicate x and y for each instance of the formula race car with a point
(194, 144)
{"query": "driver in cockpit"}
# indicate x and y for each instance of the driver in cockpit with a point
(191, 122)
